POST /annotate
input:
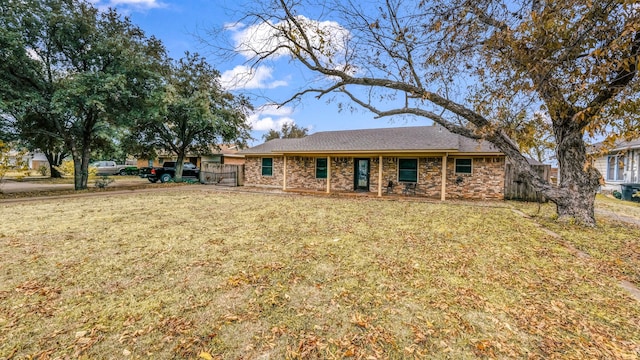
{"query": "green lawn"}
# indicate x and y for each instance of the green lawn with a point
(191, 273)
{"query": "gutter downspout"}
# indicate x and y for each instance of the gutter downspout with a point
(380, 176)
(284, 174)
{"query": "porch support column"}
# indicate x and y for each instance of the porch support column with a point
(443, 191)
(328, 174)
(380, 176)
(284, 173)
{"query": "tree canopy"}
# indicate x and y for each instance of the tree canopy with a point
(486, 69)
(287, 131)
(195, 114)
(70, 72)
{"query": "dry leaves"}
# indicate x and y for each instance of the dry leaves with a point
(268, 280)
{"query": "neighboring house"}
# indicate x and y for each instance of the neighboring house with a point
(368, 160)
(33, 160)
(37, 159)
(620, 165)
(227, 155)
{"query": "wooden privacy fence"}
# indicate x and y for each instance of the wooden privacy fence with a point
(517, 189)
(221, 174)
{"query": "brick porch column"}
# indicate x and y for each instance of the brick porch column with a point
(328, 174)
(380, 176)
(443, 191)
(284, 173)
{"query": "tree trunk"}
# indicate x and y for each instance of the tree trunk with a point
(179, 167)
(81, 169)
(77, 172)
(579, 180)
(54, 161)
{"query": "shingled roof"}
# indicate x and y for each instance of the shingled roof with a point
(617, 146)
(400, 139)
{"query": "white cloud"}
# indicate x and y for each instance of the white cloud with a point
(268, 123)
(329, 37)
(244, 77)
(274, 109)
(270, 116)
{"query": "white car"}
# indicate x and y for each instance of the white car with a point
(109, 168)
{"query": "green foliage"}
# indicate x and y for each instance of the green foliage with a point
(43, 170)
(103, 181)
(271, 134)
(288, 131)
(70, 75)
(195, 114)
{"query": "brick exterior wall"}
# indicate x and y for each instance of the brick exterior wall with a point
(342, 172)
(301, 174)
(485, 182)
(253, 172)
(429, 176)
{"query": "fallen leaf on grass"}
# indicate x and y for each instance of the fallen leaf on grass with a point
(360, 320)
(205, 356)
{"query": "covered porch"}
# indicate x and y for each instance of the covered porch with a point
(378, 174)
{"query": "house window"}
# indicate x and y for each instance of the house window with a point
(321, 168)
(267, 166)
(408, 170)
(463, 166)
(615, 167)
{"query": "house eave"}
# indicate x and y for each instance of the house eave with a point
(477, 154)
(419, 153)
(369, 152)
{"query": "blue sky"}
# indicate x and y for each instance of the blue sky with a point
(177, 22)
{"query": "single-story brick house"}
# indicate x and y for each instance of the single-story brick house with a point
(369, 160)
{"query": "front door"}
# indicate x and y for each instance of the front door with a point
(361, 176)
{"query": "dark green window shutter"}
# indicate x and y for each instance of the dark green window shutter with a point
(463, 166)
(408, 170)
(267, 166)
(321, 168)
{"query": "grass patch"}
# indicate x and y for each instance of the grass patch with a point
(628, 209)
(232, 275)
(613, 244)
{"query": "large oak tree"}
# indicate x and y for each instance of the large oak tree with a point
(194, 114)
(476, 67)
(69, 72)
